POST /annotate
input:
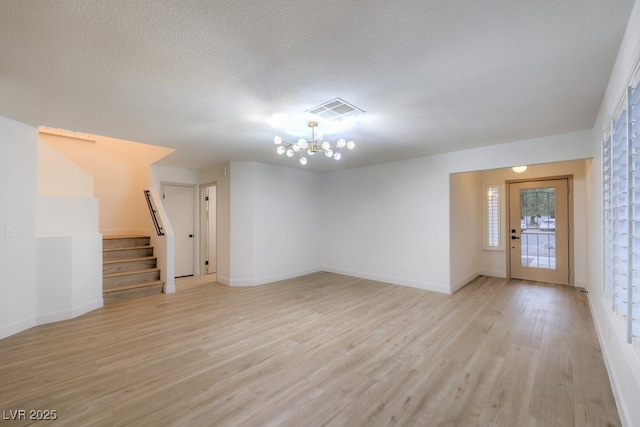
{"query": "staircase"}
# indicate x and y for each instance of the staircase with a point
(129, 269)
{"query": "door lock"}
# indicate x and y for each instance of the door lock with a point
(515, 237)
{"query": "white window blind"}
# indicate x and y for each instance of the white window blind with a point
(621, 211)
(634, 141)
(493, 216)
(607, 269)
(620, 214)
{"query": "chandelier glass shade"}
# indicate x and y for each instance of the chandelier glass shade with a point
(306, 148)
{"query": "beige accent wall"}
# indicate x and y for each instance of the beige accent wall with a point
(120, 171)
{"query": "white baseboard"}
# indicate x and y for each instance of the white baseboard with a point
(443, 289)
(460, 284)
(270, 279)
(17, 327)
(90, 306)
(493, 273)
(222, 279)
(58, 316)
(619, 361)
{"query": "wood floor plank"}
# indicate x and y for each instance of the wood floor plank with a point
(322, 349)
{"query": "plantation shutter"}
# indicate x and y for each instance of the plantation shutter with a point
(493, 216)
(607, 212)
(634, 136)
(620, 211)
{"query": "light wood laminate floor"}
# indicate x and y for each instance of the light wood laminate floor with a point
(323, 349)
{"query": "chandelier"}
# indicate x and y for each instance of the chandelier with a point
(311, 147)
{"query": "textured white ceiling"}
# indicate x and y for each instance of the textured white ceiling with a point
(205, 77)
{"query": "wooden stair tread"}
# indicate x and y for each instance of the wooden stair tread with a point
(130, 269)
(130, 272)
(116, 261)
(125, 236)
(132, 286)
(126, 248)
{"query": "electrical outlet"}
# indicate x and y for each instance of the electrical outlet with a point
(8, 232)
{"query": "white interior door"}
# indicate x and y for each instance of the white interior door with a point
(179, 203)
(210, 233)
(539, 230)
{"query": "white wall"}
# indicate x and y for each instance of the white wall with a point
(389, 222)
(241, 254)
(164, 174)
(69, 268)
(60, 215)
(623, 362)
(392, 222)
(164, 245)
(69, 276)
(18, 259)
(59, 176)
(286, 223)
(466, 228)
(272, 223)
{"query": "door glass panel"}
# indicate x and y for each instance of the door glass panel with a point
(538, 225)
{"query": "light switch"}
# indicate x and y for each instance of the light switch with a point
(8, 232)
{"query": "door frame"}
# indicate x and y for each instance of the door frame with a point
(204, 230)
(196, 225)
(569, 179)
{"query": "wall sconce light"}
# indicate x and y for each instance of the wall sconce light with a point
(519, 169)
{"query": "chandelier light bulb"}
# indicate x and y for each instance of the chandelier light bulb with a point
(306, 148)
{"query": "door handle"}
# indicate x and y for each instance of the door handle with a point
(190, 235)
(515, 237)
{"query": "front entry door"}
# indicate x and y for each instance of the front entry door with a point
(539, 230)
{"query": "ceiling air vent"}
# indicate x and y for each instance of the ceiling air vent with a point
(336, 109)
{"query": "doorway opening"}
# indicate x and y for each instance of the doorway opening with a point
(209, 229)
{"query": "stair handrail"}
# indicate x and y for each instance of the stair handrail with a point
(153, 212)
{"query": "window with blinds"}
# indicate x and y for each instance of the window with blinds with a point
(634, 137)
(492, 217)
(621, 210)
(607, 232)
